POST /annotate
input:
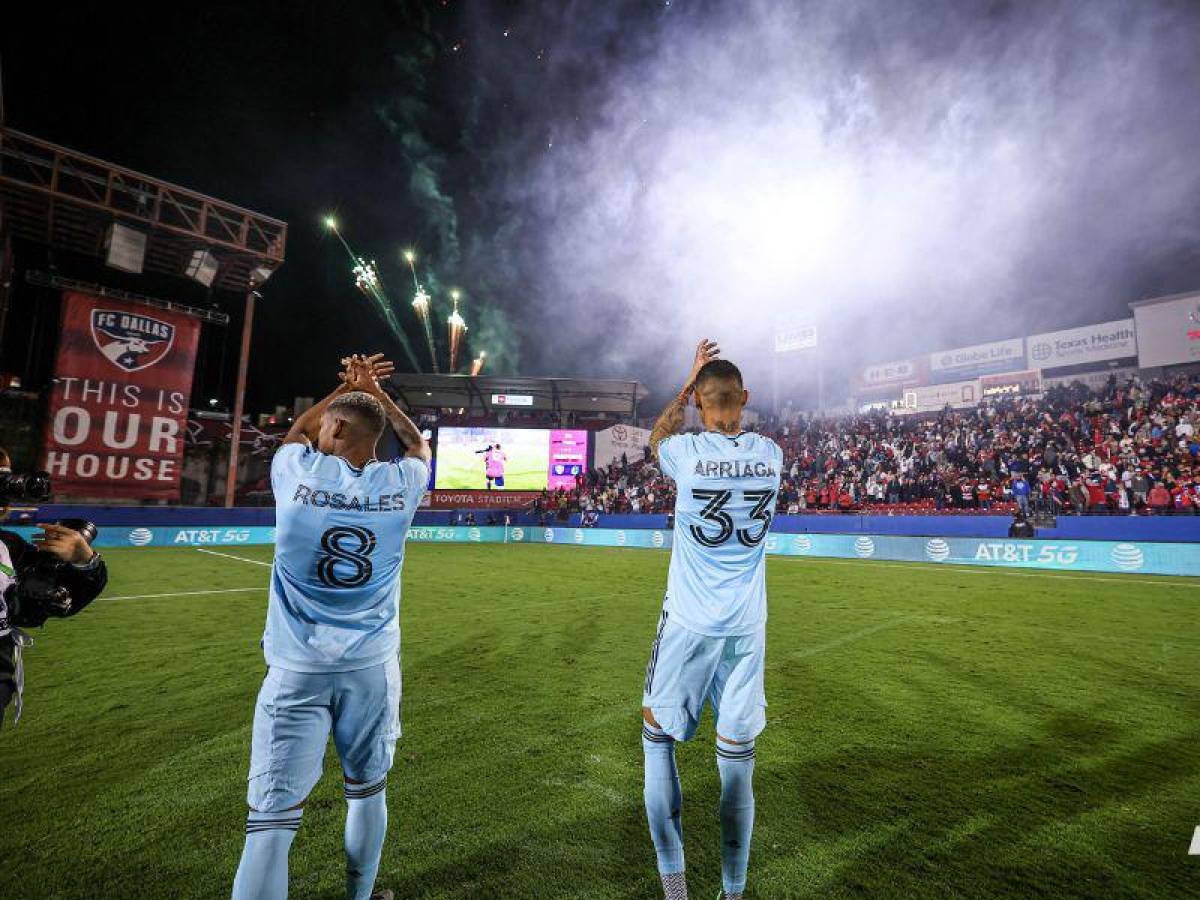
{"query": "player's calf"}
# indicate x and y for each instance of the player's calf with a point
(664, 806)
(366, 825)
(263, 871)
(735, 762)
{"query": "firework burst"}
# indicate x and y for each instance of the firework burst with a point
(457, 327)
(367, 280)
(422, 305)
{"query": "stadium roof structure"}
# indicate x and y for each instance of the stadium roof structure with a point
(491, 393)
(57, 196)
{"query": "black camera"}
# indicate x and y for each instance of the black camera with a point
(29, 486)
(39, 592)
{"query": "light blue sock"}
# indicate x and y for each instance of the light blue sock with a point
(735, 762)
(366, 824)
(664, 799)
(263, 872)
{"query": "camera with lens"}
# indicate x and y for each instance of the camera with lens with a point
(39, 580)
(40, 591)
(28, 486)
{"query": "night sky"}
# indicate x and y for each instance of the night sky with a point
(609, 182)
(278, 107)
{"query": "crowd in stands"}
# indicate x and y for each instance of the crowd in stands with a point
(1129, 448)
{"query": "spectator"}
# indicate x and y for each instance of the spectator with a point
(1073, 449)
(1020, 493)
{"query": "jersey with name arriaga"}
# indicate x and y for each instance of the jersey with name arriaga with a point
(339, 547)
(725, 498)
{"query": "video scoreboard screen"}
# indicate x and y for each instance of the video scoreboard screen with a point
(509, 459)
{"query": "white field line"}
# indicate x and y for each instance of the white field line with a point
(257, 562)
(189, 593)
(848, 638)
(959, 569)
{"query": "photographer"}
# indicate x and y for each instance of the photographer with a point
(1021, 527)
(58, 574)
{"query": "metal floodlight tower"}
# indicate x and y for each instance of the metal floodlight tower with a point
(55, 196)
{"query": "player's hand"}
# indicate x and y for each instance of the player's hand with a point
(363, 373)
(65, 543)
(380, 368)
(706, 352)
(354, 376)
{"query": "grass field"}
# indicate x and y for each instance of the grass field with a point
(934, 732)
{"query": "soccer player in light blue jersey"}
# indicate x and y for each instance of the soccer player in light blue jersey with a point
(711, 639)
(332, 639)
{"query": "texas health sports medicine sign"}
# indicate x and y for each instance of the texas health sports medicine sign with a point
(1090, 344)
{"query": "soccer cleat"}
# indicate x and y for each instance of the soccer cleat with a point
(674, 886)
(721, 895)
(385, 894)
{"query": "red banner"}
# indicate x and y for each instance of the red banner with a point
(118, 407)
(479, 499)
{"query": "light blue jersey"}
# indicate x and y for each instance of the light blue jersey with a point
(339, 547)
(726, 489)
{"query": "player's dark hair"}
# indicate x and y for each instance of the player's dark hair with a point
(363, 408)
(719, 383)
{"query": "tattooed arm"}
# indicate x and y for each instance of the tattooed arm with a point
(671, 419)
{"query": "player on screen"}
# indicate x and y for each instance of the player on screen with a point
(493, 465)
(332, 638)
(711, 634)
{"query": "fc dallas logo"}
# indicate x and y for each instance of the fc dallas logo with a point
(131, 342)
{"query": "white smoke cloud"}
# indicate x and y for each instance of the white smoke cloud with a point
(911, 176)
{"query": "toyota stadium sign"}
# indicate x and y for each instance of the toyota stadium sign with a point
(627, 440)
(1089, 344)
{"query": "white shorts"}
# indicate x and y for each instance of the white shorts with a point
(295, 713)
(687, 668)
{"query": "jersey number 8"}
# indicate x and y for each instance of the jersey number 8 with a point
(350, 545)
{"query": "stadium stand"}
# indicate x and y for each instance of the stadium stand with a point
(1129, 448)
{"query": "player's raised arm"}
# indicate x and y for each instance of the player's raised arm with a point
(308, 424)
(671, 419)
(363, 374)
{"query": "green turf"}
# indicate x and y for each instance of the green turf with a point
(934, 732)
